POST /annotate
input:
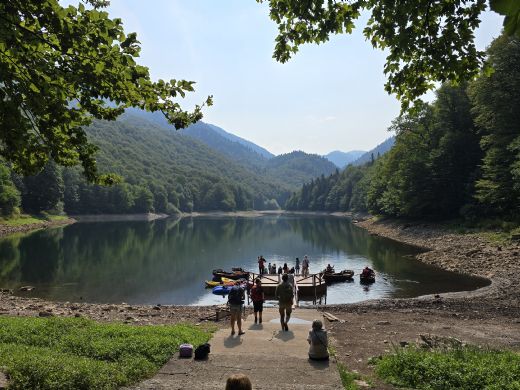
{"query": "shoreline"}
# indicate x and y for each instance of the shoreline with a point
(7, 230)
(463, 253)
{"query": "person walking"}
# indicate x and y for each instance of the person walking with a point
(236, 300)
(297, 268)
(284, 293)
(258, 298)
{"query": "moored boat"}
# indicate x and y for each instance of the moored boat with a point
(215, 284)
(231, 275)
(341, 276)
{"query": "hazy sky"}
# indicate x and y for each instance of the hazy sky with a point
(328, 97)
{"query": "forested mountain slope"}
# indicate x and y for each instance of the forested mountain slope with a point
(298, 167)
(378, 151)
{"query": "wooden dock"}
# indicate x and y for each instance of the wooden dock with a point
(307, 288)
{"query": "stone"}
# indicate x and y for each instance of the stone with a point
(383, 322)
(361, 383)
(26, 288)
(45, 314)
(4, 384)
(403, 343)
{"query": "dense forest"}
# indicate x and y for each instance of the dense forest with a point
(456, 156)
(162, 171)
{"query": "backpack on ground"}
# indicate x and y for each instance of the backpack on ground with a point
(202, 351)
(185, 350)
(235, 296)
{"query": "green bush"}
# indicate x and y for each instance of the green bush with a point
(67, 353)
(466, 368)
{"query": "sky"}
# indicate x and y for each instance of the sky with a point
(327, 97)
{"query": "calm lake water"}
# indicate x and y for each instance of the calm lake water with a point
(167, 261)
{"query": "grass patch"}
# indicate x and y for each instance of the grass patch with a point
(25, 219)
(462, 368)
(77, 353)
(348, 377)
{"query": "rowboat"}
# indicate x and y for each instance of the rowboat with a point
(368, 278)
(231, 275)
(331, 277)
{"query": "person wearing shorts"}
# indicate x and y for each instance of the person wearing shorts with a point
(258, 297)
(285, 294)
(235, 300)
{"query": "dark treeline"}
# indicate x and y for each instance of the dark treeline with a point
(458, 156)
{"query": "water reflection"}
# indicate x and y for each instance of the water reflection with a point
(167, 261)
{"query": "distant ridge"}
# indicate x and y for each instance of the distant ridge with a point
(258, 149)
(380, 149)
(342, 159)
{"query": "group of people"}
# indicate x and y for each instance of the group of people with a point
(272, 270)
(284, 293)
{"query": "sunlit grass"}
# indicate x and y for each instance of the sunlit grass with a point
(25, 219)
(465, 368)
(75, 353)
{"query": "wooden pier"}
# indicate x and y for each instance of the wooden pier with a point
(306, 288)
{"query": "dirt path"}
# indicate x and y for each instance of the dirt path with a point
(271, 358)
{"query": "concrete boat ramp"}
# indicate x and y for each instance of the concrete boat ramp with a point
(270, 357)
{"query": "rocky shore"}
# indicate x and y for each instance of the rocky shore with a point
(12, 305)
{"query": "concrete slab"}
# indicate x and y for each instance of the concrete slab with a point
(270, 357)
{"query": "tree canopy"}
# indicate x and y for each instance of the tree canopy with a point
(427, 41)
(62, 67)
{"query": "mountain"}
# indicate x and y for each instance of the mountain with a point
(289, 170)
(379, 150)
(342, 159)
(297, 168)
(212, 136)
(258, 149)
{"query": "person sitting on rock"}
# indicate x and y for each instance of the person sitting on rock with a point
(318, 342)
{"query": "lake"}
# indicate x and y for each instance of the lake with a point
(167, 261)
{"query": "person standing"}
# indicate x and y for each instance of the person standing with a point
(318, 343)
(297, 266)
(284, 293)
(261, 265)
(305, 266)
(258, 298)
(236, 300)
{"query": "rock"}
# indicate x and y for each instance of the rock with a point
(383, 322)
(45, 314)
(26, 288)
(361, 383)
(77, 315)
(4, 384)
(157, 307)
(403, 343)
